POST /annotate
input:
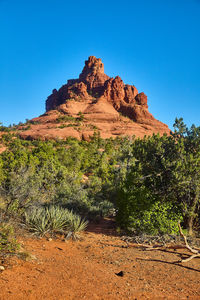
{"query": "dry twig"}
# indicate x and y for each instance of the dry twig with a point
(194, 250)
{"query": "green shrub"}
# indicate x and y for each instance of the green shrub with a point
(26, 128)
(5, 129)
(62, 126)
(134, 174)
(81, 116)
(34, 122)
(75, 225)
(58, 218)
(8, 243)
(161, 218)
(107, 208)
(94, 213)
(53, 220)
(37, 221)
(65, 118)
(138, 211)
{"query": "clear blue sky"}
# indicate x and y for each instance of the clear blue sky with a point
(154, 45)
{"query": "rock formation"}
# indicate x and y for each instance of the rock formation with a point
(106, 104)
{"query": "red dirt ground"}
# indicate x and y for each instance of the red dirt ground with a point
(86, 269)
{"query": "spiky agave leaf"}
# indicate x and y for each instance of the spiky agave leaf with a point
(76, 225)
(37, 221)
(58, 218)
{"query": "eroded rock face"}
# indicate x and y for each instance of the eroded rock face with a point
(94, 83)
(141, 99)
(107, 104)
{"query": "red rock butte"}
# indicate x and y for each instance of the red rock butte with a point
(95, 102)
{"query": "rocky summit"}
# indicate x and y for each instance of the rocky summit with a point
(92, 103)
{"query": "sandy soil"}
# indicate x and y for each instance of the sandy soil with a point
(87, 269)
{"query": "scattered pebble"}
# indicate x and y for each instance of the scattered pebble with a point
(2, 268)
(59, 248)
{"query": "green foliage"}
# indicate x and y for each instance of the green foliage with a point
(38, 221)
(154, 219)
(166, 169)
(76, 225)
(80, 116)
(106, 208)
(180, 128)
(8, 243)
(24, 128)
(5, 129)
(34, 122)
(63, 126)
(53, 220)
(130, 177)
(19, 190)
(65, 118)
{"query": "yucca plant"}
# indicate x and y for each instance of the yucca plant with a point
(38, 221)
(54, 220)
(76, 225)
(58, 218)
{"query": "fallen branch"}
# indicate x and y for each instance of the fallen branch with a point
(186, 242)
(163, 247)
(191, 257)
(194, 250)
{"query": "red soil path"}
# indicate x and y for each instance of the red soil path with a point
(86, 269)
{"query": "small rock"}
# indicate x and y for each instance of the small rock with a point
(2, 268)
(49, 239)
(59, 248)
(120, 274)
(33, 257)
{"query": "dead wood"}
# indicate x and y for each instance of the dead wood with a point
(194, 250)
(164, 247)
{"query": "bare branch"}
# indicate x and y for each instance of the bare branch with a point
(163, 247)
(189, 258)
(186, 243)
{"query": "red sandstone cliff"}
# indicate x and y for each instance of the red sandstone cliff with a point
(104, 104)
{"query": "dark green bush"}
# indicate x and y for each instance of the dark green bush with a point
(8, 243)
(160, 218)
(65, 118)
(142, 180)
